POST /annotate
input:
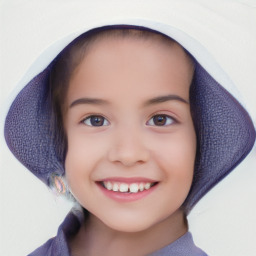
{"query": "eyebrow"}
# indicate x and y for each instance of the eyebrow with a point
(156, 100)
(161, 99)
(92, 101)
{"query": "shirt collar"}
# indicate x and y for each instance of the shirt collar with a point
(70, 226)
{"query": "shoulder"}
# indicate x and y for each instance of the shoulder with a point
(45, 249)
(58, 245)
(181, 247)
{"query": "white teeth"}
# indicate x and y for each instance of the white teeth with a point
(147, 186)
(115, 187)
(141, 187)
(124, 187)
(109, 185)
(134, 188)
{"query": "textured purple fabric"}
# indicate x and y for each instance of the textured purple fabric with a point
(28, 130)
(184, 246)
(225, 134)
(58, 246)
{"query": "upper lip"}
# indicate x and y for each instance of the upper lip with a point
(128, 180)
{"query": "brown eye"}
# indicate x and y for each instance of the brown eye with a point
(95, 121)
(160, 120)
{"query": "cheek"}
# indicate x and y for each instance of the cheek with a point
(84, 148)
(78, 159)
(177, 158)
(84, 154)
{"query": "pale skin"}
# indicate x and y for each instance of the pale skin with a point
(126, 83)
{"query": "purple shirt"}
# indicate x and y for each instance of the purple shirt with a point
(58, 246)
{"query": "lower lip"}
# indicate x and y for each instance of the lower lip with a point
(127, 197)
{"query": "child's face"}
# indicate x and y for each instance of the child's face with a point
(128, 122)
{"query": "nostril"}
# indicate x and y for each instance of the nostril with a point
(129, 157)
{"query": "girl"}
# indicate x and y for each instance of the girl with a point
(128, 123)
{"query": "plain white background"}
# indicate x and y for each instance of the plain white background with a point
(223, 222)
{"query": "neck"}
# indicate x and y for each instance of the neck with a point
(95, 238)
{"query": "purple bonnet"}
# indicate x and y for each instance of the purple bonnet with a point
(225, 132)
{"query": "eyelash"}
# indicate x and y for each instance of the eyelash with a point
(165, 120)
(168, 120)
(89, 118)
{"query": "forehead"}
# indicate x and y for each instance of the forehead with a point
(130, 65)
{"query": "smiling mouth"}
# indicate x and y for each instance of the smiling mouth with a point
(122, 187)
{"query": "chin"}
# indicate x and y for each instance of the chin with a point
(129, 223)
(127, 227)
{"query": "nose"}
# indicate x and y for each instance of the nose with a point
(129, 147)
